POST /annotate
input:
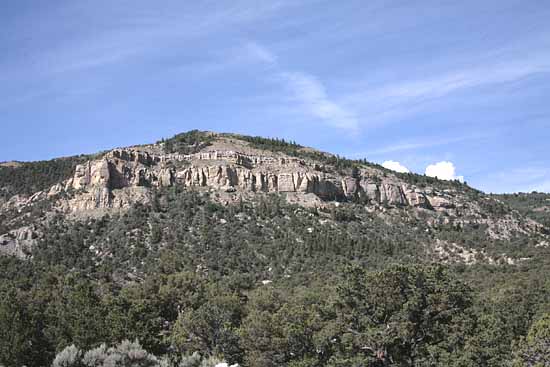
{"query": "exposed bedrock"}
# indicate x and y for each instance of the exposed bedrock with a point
(105, 183)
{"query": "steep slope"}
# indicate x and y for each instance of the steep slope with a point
(233, 168)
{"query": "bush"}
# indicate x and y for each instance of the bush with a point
(128, 354)
(193, 360)
(125, 354)
(213, 362)
(68, 357)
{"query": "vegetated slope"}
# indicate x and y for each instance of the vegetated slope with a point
(535, 205)
(26, 178)
(266, 238)
(266, 253)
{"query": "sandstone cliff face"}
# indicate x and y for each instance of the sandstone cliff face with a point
(123, 177)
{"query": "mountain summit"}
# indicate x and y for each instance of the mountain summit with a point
(231, 168)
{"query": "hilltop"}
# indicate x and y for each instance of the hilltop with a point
(230, 168)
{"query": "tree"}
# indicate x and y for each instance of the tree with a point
(74, 312)
(136, 313)
(211, 328)
(534, 350)
(21, 339)
(287, 329)
(404, 315)
(14, 332)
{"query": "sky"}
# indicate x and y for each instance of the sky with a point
(454, 89)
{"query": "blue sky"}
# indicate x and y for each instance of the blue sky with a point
(466, 83)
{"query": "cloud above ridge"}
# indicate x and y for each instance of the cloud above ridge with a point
(443, 170)
(395, 166)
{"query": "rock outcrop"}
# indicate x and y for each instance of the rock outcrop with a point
(114, 180)
(18, 242)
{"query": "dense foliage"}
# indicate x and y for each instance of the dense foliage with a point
(264, 283)
(30, 177)
(403, 315)
(266, 238)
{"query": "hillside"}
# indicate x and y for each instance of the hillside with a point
(229, 168)
(534, 205)
(205, 241)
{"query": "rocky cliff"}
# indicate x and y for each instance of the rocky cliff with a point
(123, 176)
(233, 169)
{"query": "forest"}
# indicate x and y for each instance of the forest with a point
(190, 282)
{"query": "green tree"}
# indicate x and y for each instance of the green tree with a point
(287, 329)
(73, 310)
(534, 350)
(212, 327)
(404, 315)
(21, 339)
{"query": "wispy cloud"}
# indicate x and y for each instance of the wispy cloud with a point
(391, 100)
(421, 144)
(307, 91)
(108, 44)
(126, 36)
(312, 95)
(463, 79)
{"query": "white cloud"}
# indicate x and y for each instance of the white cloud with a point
(444, 170)
(311, 93)
(307, 90)
(395, 166)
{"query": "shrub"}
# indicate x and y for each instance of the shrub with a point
(71, 356)
(125, 354)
